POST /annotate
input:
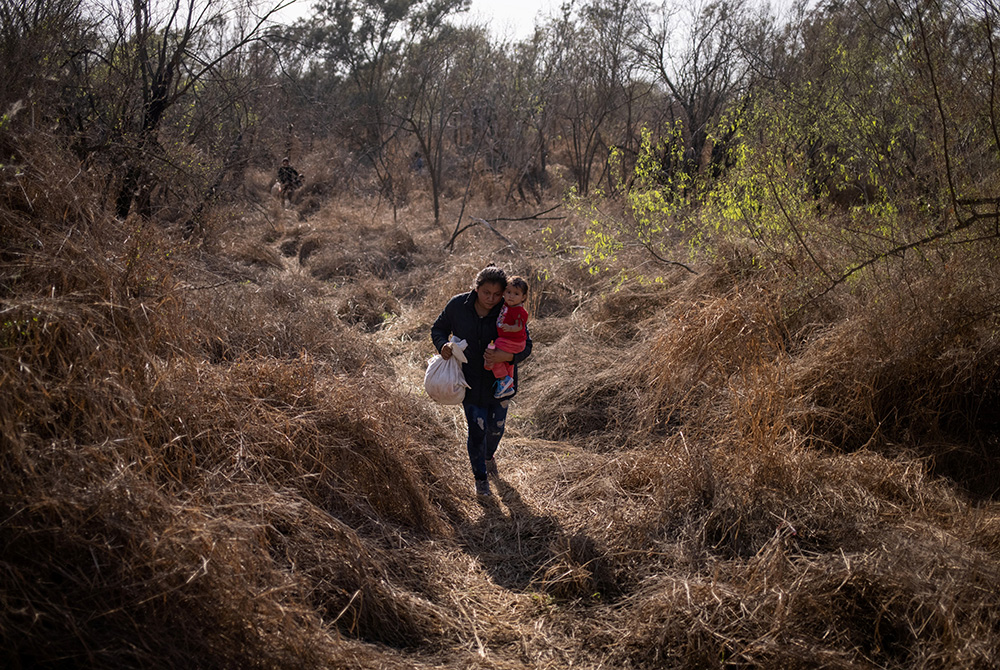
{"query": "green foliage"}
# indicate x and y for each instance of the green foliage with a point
(770, 180)
(647, 188)
(873, 133)
(602, 235)
(658, 194)
(851, 149)
(662, 194)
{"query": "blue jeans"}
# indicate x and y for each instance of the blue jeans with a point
(486, 426)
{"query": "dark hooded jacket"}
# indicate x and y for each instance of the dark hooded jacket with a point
(459, 318)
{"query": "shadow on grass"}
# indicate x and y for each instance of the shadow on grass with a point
(525, 550)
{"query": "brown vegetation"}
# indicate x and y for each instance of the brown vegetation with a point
(216, 454)
(759, 427)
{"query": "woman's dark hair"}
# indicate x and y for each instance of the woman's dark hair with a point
(491, 274)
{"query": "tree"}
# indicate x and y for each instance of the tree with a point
(362, 47)
(37, 38)
(444, 78)
(156, 54)
(588, 56)
(877, 136)
(512, 114)
(691, 53)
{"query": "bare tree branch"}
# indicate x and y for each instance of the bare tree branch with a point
(666, 261)
(795, 228)
(476, 221)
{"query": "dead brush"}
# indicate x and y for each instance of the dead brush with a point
(284, 320)
(352, 579)
(366, 302)
(910, 368)
(804, 559)
(576, 569)
(42, 184)
(568, 405)
(626, 313)
(332, 171)
(138, 478)
(777, 554)
(332, 446)
(687, 350)
(75, 346)
(292, 423)
(265, 423)
(697, 349)
(103, 567)
(618, 315)
(95, 551)
(341, 250)
(812, 620)
(257, 422)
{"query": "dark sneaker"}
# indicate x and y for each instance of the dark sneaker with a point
(491, 467)
(504, 388)
(483, 487)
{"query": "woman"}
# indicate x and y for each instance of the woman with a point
(473, 317)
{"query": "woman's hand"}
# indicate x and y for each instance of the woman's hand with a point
(494, 356)
(446, 351)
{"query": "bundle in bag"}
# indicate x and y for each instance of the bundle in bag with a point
(444, 381)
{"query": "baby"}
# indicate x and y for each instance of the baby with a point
(511, 334)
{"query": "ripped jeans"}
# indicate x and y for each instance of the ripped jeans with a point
(486, 426)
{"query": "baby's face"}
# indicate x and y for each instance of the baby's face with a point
(512, 295)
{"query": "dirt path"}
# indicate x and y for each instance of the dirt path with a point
(531, 594)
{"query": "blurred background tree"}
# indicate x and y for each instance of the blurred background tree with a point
(716, 119)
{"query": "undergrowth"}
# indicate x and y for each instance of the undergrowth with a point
(214, 452)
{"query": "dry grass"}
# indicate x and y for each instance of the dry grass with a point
(215, 453)
(746, 531)
(180, 446)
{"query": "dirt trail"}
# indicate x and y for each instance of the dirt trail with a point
(521, 555)
(516, 552)
(519, 569)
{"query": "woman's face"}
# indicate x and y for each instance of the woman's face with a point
(489, 294)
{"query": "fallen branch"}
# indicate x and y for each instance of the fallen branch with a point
(536, 217)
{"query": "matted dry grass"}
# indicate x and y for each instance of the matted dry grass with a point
(213, 456)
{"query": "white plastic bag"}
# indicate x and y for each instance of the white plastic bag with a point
(444, 381)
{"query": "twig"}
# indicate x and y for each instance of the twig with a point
(655, 255)
(202, 288)
(538, 216)
(791, 222)
(468, 183)
(337, 618)
(535, 217)
(495, 231)
(472, 626)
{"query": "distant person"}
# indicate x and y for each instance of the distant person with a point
(473, 317)
(289, 179)
(512, 328)
(418, 162)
